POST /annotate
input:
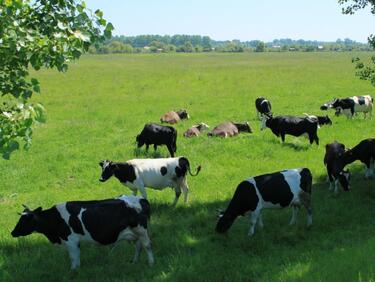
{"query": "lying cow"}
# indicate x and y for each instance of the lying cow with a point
(230, 129)
(103, 222)
(288, 188)
(158, 135)
(349, 106)
(295, 126)
(158, 174)
(365, 152)
(263, 107)
(322, 120)
(334, 161)
(174, 117)
(196, 130)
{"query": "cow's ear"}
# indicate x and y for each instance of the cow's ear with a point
(101, 163)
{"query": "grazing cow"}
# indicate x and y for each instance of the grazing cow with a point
(230, 129)
(322, 120)
(349, 106)
(365, 152)
(276, 190)
(137, 174)
(296, 126)
(103, 222)
(195, 130)
(334, 161)
(174, 117)
(158, 135)
(263, 107)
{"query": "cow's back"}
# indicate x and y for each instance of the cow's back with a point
(225, 129)
(170, 117)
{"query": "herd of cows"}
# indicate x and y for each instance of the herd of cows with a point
(126, 217)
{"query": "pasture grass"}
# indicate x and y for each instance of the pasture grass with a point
(97, 108)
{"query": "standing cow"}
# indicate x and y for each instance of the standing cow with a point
(287, 188)
(158, 174)
(365, 152)
(158, 135)
(295, 126)
(334, 161)
(174, 117)
(351, 105)
(103, 222)
(263, 107)
(230, 129)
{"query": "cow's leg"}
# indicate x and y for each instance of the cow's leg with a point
(142, 189)
(147, 145)
(293, 220)
(282, 137)
(253, 220)
(155, 147)
(135, 191)
(177, 190)
(74, 253)
(331, 182)
(306, 202)
(336, 186)
(185, 190)
(146, 244)
(138, 249)
(369, 168)
(171, 151)
(260, 221)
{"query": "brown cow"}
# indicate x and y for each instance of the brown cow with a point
(174, 117)
(230, 129)
(195, 130)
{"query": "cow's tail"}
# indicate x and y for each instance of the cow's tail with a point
(175, 140)
(197, 172)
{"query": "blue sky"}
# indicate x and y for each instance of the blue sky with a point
(237, 19)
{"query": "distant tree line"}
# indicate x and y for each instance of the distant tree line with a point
(198, 43)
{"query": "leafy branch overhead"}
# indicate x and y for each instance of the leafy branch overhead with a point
(365, 72)
(36, 34)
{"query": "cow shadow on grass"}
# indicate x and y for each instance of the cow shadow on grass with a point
(291, 145)
(141, 152)
(187, 248)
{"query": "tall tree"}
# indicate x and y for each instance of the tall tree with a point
(36, 34)
(366, 72)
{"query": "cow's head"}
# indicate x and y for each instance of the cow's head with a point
(263, 122)
(183, 114)
(202, 126)
(327, 120)
(107, 170)
(344, 179)
(224, 223)
(243, 127)
(27, 223)
(140, 141)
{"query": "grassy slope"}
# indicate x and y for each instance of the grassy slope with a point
(95, 112)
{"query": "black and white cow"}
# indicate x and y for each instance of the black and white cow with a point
(158, 135)
(263, 107)
(334, 161)
(349, 106)
(103, 222)
(296, 126)
(365, 152)
(287, 188)
(137, 174)
(322, 120)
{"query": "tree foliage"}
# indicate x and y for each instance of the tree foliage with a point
(36, 34)
(365, 72)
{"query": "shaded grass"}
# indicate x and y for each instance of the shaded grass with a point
(98, 107)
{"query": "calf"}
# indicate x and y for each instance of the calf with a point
(174, 117)
(365, 152)
(195, 130)
(263, 107)
(158, 174)
(230, 129)
(276, 190)
(334, 161)
(296, 126)
(158, 135)
(103, 222)
(349, 106)
(322, 120)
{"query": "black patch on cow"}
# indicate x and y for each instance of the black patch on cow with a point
(274, 188)
(74, 221)
(306, 180)
(361, 100)
(124, 172)
(183, 165)
(244, 199)
(163, 170)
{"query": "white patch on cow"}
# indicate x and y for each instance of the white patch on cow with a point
(61, 208)
(263, 123)
(132, 202)
(293, 178)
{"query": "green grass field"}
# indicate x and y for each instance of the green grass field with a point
(97, 108)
